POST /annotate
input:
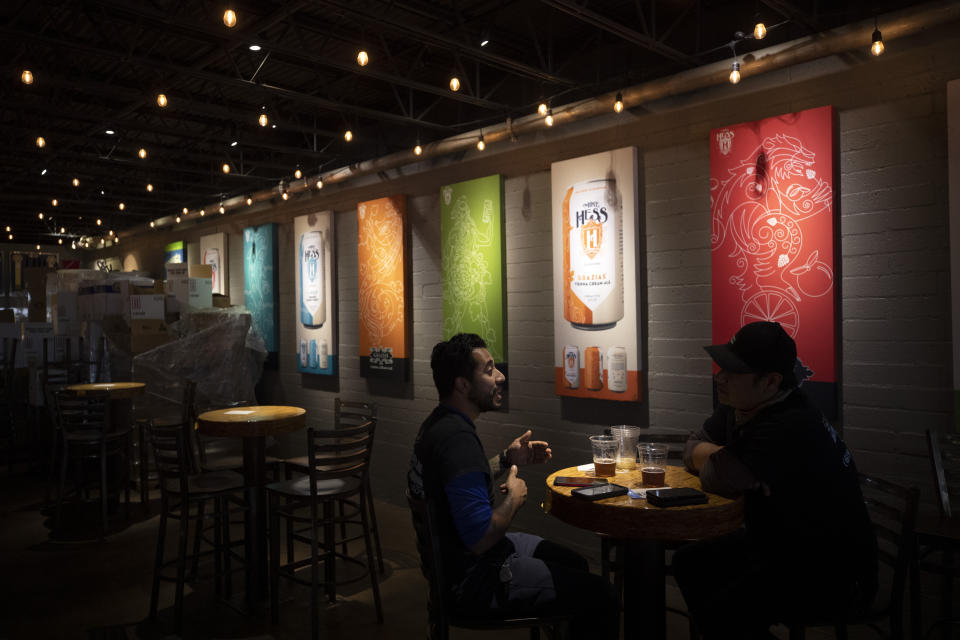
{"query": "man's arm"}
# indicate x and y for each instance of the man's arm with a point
(480, 526)
(523, 450)
(503, 514)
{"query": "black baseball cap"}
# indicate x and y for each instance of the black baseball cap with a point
(758, 347)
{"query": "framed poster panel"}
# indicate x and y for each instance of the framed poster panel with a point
(174, 253)
(315, 294)
(213, 251)
(596, 338)
(471, 231)
(260, 281)
(20, 260)
(382, 265)
(772, 237)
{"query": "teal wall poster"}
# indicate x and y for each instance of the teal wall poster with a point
(471, 231)
(316, 341)
(259, 281)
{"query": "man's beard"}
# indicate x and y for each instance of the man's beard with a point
(485, 402)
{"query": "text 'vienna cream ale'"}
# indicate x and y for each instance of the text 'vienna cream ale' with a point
(592, 255)
(312, 304)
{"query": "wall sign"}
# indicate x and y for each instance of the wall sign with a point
(382, 268)
(773, 236)
(471, 230)
(259, 281)
(213, 251)
(315, 294)
(594, 276)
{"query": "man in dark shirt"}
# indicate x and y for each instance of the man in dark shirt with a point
(488, 567)
(808, 550)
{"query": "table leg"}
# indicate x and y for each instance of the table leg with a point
(644, 591)
(255, 520)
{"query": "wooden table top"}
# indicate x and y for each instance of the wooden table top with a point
(630, 518)
(251, 422)
(116, 390)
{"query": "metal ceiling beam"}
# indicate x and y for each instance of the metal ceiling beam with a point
(611, 26)
(793, 13)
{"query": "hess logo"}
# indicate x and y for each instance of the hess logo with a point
(591, 238)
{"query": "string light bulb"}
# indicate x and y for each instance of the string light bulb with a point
(618, 103)
(735, 72)
(62, 230)
(38, 247)
(263, 119)
(178, 219)
(226, 167)
(348, 135)
(230, 18)
(319, 183)
(298, 174)
(876, 45)
(8, 229)
(481, 145)
(150, 187)
(161, 100)
(285, 195)
(142, 153)
(99, 222)
(184, 210)
(73, 244)
(41, 143)
(152, 224)
(417, 150)
(249, 201)
(26, 77)
(454, 83)
(59, 240)
(363, 58)
(10, 236)
(759, 31)
(40, 215)
(121, 206)
(76, 182)
(55, 202)
(111, 233)
(222, 210)
(542, 108)
(203, 212)
(549, 119)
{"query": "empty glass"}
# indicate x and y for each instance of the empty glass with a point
(626, 436)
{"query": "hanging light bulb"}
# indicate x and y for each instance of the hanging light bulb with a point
(152, 224)
(8, 229)
(161, 100)
(230, 18)
(481, 145)
(298, 174)
(26, 77)
(249, 201)
(38, 247)
(111, 233)
(40, 215)
(285, 195)
(41, 143)
(121, 206)
(54, 202)
(542, 108)
(226, 167)
(203, 212)
(150, 187)
(348, 135)
(263, 119)
(59, 240)
(11, 236)
(417, 150)
(142, 153)
(876, 46)
(363, 58)
(99, 222)
(73, 244)
(222, 210)
(319, 183)
(62, 230)
(759, 31)
(116, 240)
(618, 103)
(454, 83)
(735, 73)
(76, 182)
(178, 219)
(549, 119)
(185, 211)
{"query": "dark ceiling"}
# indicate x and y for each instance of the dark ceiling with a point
(98, 65)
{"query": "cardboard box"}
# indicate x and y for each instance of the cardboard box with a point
(200, 292)
(147, 307)
(221, 301)
(201, 271)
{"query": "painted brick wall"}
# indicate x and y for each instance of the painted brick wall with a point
(894, 270)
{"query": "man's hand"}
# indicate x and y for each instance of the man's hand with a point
(514, 487)
(526, 451)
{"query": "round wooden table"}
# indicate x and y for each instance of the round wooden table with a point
(644, 529)
(116, 390)
(253, 425)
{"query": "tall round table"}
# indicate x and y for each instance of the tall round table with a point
(644, 530)
(253, 425)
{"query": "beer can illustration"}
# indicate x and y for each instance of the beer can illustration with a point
(593, 255)
(303, 354)
(571, 366)
(312, 299)
(593, 368)
(211, 256)
(617, 369)
(323, 358)
(312, 356)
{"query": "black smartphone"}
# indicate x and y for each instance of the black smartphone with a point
(600, 491)
(676, 497)
(577, 481)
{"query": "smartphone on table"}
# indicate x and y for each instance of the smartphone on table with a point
(577, 481)
(600, 491)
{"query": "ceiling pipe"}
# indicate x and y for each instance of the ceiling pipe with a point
(851, 37)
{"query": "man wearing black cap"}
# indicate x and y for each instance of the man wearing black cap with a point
(808, 550)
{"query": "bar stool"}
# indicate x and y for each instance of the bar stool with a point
(184, 496)
(339, 464)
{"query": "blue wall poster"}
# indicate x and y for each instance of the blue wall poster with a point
(316, 313)
(259, 281)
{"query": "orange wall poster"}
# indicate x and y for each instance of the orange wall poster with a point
(382, 266)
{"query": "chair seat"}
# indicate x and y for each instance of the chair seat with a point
(231, 461)
(94, 436)
(300, 487)
(208, 483)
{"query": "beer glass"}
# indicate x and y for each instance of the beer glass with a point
(653, 462)
(604, 455)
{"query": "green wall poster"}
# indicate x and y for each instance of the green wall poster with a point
(471, 229)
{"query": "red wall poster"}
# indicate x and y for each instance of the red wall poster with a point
(772, 236)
